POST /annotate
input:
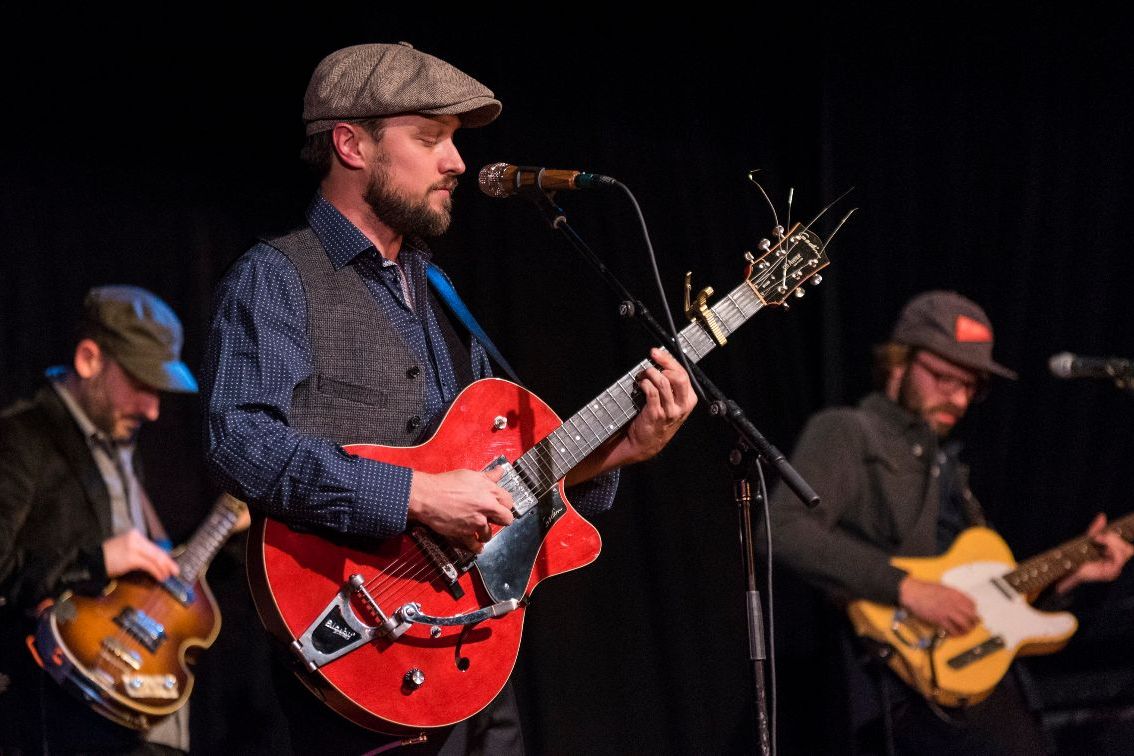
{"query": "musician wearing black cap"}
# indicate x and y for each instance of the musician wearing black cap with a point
(74, 513)
(332, 335)
(891, 485)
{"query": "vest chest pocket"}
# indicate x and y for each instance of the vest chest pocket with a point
(337, 388)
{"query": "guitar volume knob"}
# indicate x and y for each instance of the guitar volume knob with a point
(413, 679)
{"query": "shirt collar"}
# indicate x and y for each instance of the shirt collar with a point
(344, 241)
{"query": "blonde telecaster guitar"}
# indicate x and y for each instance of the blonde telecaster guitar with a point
(963, 670)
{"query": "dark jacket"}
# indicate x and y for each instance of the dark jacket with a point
(54, 516)
(878, 470)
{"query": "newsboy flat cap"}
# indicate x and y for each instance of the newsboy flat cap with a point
(367, 81)
(952, 326)
(142, 333)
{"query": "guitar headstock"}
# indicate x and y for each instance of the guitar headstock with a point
(786, 266)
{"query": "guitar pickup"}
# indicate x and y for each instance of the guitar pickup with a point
(118, 650)
(143, 628)
(179, 589)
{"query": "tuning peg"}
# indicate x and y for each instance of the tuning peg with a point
(764, 245)
(816, 280)
(799, 293)
(750, 257)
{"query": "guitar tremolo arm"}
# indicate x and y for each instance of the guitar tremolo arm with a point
(412, 613)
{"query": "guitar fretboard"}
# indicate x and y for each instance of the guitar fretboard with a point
(553, 457)
(1039, 572)
(208, 539)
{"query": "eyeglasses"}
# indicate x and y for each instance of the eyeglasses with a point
(950, 384)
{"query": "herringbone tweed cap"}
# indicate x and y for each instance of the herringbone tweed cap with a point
(367, 81)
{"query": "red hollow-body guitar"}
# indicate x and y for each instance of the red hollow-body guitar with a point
(411, 633)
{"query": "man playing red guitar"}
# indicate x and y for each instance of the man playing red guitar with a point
(331, 335)
(891, 486)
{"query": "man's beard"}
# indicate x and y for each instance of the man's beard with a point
(913, 401)
(406, 216)
(100, 410)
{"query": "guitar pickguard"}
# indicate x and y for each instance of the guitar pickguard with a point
(506, 563)
(1006, 614)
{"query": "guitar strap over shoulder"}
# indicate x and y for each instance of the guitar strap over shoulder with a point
(448, 294)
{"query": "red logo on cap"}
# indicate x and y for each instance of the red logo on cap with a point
(969, 330)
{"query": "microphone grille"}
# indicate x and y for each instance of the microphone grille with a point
(1060, 364)
(492, 180)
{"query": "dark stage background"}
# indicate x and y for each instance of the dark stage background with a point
(987, 156)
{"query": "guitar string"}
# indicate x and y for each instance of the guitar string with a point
(398, 578)
(158, 598)
(385, 585)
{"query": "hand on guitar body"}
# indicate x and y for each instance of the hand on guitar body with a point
(1116, 552)
(939, 605)
(461, 505)
(131, 551)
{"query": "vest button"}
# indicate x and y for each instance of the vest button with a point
(413, 372)
(414, 422)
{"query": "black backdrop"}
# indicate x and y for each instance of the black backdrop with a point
(987, 155)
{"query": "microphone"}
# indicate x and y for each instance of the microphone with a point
(504, 180)
(1067, 365)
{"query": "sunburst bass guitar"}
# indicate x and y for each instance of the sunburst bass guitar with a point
(410, 633)
(125, 651)
(964, 670)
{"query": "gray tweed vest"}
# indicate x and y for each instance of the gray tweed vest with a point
(366, 386)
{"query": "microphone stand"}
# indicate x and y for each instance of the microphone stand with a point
(750, 442)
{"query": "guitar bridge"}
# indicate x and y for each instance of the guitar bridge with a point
(448, 562)
(338, 630)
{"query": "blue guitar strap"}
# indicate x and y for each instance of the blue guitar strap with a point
(445, 289)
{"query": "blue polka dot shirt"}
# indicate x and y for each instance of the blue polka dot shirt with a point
(259, 352)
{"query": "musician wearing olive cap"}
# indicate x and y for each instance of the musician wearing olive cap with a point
(891, 485)
(332, 335)
(74, 513)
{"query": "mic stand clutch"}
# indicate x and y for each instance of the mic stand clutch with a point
(751, 445)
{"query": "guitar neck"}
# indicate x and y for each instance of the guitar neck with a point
(208, 539)
(551, 459)
(1039, 572)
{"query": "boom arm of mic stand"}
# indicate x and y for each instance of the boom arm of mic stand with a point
(719, 405)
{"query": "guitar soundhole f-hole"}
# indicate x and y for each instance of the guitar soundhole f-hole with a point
(462, 662)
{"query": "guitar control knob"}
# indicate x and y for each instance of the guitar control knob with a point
(500, 422)
(413, 679)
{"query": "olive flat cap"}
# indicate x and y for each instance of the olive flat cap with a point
(142, 333)
(368, 81)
